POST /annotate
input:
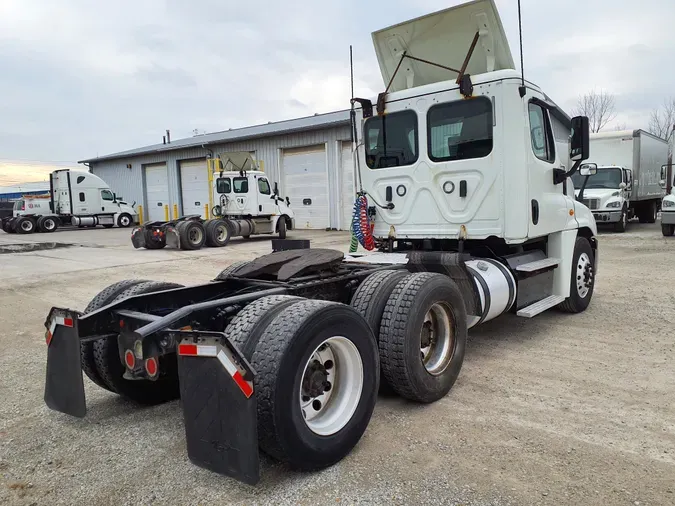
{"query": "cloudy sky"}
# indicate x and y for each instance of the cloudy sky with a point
(80, 78)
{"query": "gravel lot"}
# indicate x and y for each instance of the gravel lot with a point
(556, 410)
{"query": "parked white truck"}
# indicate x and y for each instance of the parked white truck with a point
(628, 180)
(474, 217)
(75, 198)
(245, 204)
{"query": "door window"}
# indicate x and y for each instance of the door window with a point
(541, 133)
(264, 186)
(107, 195)
(240, 184)
(391, 140)
(460, 130)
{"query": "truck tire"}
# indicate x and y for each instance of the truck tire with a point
(281, 227)
(314, 426)
(7, 226)
(104, 297)
(620, 226)
(370, 300)
(652, 212)
(124, 220)
(227, 271)
(192, 235)
(246, 328)
(217, 233)
(667, 230)
(25, 225)
(47, 224)
(426, 311)
(582, 280)
(111, 370)
(151, 242)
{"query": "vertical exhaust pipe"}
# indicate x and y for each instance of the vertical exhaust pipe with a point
(168, 137)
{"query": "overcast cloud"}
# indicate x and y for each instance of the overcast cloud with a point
(80, 78)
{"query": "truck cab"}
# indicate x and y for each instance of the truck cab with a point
(607, 194)
(668, 207)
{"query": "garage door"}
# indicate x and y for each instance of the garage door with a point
(305, 182)
(194, 186)
(348, 187)
(156, 191)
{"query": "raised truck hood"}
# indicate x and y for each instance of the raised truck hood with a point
(444, 38)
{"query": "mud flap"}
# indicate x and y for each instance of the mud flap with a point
(219, 406)
(64, 386)
(138, 237)
(172, 237)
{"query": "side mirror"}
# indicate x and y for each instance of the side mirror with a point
(276, 188)
(623, 186)
(662, 183)
(580, 143)
(590, 169)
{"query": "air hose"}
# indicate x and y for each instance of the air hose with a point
(361, 223)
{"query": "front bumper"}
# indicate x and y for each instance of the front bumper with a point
(668, 217)
(607, 216)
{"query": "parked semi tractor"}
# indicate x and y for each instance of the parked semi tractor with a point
(246, 205)
(466, 206)
(628, 180)
(75, 198)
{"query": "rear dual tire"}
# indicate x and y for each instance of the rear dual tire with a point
(293, 346)
(25, 225)
(218, 233)
(191, 234)
(47, 224)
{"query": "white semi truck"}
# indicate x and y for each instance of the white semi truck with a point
(247, 205)
(75, 198)
(628, 180)
(474, 216)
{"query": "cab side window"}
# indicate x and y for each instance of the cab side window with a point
(107, 195)
(240, 184)
(541, 133)
(264, 186)
(223, 185)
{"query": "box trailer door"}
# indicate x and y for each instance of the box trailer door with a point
(348, 178)
(194, 186)
(156, 191)
(305, 183)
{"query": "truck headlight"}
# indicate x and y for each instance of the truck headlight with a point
(668, 203)
(614, 204)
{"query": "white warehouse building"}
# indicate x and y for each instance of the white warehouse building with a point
(310, 159)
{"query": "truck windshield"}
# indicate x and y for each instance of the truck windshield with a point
(604, 178)
(391, 140)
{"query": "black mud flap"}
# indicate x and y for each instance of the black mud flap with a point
(219, 406)
(138, 237)
(64, 386)
(172, 237)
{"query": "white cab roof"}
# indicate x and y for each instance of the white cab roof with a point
(444, 38)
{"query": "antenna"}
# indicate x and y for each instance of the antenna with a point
(352, 118)
(522, 89)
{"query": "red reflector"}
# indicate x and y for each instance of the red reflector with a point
(48, 337)
(129, 359)
(187, 349)
(243, 384)
(68, 322)
(151, 366)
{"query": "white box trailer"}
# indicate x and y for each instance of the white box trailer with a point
(628, 182)
(75, 197)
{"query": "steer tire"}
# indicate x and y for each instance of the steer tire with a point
(667, 230)
(279, 359)
(281, 227)
(246, 328)
(371, 298)
(25, 225)
(230, 269)
(104, 297)
(47, 224)
(111, 369)
(401, 334)
(575, 303)
(218, 233)
(191, 234)
(620, 226)
(125, 220)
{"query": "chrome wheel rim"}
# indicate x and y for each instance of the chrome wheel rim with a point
(125, 221)
(49, 224)
(584, 275)
(437, 338)
(331, 386)
(26, 226)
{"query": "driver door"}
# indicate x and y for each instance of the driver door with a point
(266, 204)
(548, 205)
(108, 204)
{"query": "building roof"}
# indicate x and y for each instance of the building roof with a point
(318, 121)
(16, 191)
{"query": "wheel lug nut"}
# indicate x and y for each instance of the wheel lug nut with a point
(328, 364)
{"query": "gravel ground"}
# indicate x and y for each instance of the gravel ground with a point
(561, 409)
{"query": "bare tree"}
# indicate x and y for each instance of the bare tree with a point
(620, 126)
(662, 119)
(598, 106)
